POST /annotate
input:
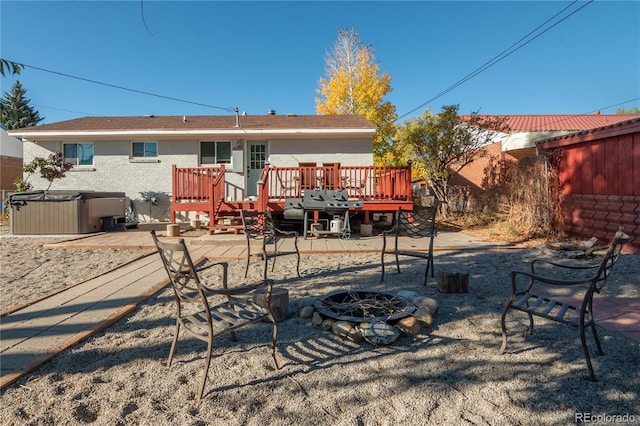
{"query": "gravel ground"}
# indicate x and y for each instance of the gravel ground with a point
(29, 271)
(450, 373)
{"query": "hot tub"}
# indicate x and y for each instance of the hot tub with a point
(65, 212)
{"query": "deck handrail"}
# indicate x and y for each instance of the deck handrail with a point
(217, 193)
(193, 183)
(362, 182)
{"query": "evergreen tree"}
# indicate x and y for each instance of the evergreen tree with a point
(15, 111)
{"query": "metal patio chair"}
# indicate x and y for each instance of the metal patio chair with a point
(259, 226)
(534, 299)
(413, 224)
(197, 315)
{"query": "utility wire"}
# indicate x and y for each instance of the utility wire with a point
(572, 116)
(66, 110)
(502, 55)
(142, 16)
(229, 109)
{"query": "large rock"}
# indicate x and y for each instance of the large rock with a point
(428, 303)
(408, 326)
(307, 312)
(306, 301)
(348, 331)
(380, 333)
(317, 319)
(327, 324)
(423, 315)
(407, 294)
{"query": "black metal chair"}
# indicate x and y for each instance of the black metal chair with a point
(413, 224)
(259, 226)
(197, 316)
(534, 300)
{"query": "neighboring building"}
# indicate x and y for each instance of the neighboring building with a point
(525, 131)
(599, 176)
(135, 155)
(10, 161)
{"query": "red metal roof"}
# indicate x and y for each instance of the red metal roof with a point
(566, 122)
(611, 130)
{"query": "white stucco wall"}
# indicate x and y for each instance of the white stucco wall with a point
(10, 146)
(519, 140)
(114, 171)
(353, 152)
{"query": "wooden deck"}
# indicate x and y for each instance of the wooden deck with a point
(382, 189)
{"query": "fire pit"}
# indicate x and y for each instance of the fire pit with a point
(363, 306)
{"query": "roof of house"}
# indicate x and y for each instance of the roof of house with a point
(563, 122)
(611, 130)
(230, 122)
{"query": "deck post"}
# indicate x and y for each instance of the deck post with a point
(174, 191)
(409, 186)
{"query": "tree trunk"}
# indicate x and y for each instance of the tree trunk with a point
(453, 281)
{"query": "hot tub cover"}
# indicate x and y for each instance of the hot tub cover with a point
(20, 198)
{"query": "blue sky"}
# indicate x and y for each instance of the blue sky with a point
(266, 55)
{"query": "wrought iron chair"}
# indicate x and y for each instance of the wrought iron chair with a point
(194, 312)
(534, 300)
(259, 226)
(413, 224)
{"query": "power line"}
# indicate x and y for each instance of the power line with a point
(618, 104)
(502, 55)
(228, 109)
(66, 110)
(591, 112)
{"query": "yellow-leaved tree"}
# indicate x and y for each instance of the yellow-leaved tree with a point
(354, 85)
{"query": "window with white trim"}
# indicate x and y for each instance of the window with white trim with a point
(146, 149)
(78, 154)
(215, 152)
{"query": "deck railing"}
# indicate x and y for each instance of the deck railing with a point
(194, 183)
(362, 182)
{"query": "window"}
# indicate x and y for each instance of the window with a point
(144, 149)
(218, 152)
(78, 154)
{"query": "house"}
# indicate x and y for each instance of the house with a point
(519, 142)
(146, 156)
(10, 161)
(599, 176)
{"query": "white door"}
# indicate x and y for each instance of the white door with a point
(255, 164)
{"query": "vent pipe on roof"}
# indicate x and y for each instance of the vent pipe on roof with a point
(235, 110)
(184, 118)
(271, 112)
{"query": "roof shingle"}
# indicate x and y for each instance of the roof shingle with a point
(267, 122)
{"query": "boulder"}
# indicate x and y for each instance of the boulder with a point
(317, 319)
(430, 304)
(327, 324)
(307, 312)
(408, 326)
(380, 333)
(407, 294)
(423, 315)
